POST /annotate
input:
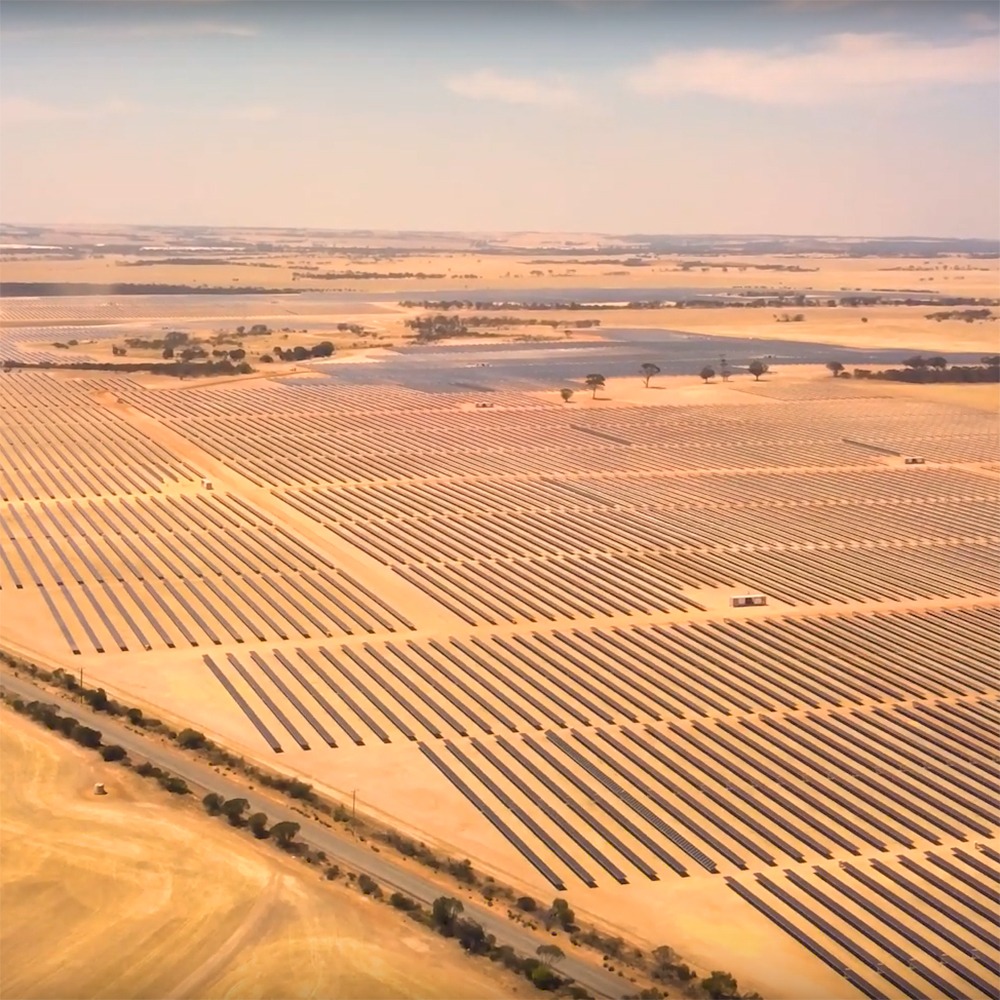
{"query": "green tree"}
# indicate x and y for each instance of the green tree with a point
(757, 368)
(917, 362)
(190, 739)
(708, 372)
(403, 902)
(85, 736)
(369, 886)
(526, 903)
(233, 810)
(937, 362)
(113, 752)
(175, 785)
(550, 953)
(560, 914)
(567, 394)
(284, 833)
(543, 977)
(98, 700)
(258, 825)
(835, 367)
(594, 382)
(444, 912)
(648, 371)
(720, 986)
(237, 354)
(213, 803)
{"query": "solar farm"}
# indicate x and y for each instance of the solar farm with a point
(511, 629)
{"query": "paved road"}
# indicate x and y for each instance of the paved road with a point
(354, 855)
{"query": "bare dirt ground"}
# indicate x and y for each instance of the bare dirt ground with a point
(131, 895)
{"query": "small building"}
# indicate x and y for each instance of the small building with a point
(206, 484)
(748, 601)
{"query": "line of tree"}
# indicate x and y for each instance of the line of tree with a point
(967, 315)
(372, 275)
(936, 369)
(50, 716)
(234, 810)
(48, 289)
(324, 349)
(757, 368)
(502, 321)
(444, 305)
(180, 369)
(663, 965)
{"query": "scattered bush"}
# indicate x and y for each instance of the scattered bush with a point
(191, 739)
(402, 902)
(369, 886)
(258, 825)
(213, 803)
(233, 810)
(284, 834)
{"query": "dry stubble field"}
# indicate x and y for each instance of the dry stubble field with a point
(145, 900)
(508, 629)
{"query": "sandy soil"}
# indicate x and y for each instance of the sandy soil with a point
(132, 895)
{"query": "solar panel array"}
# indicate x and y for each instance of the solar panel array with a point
(572, 668)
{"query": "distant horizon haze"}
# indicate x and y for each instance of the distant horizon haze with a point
(756, 118)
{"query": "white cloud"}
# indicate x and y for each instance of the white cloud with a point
(24, 110)
(842, 67)
(488, 85)
(154, 29)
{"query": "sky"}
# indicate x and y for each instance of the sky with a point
(813, 117)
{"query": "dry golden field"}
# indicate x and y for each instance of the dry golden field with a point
(508, 628)
(132, 896)
(956, 276)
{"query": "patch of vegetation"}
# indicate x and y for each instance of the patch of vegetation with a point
(966, 315)
(47, 289)
(178, 369)
(936, 369)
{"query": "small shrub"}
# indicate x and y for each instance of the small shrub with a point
(213, 803)
(258, 825)
(191, 739)
(402, 902)
(369, 886)
(174, 785)
(85, 736)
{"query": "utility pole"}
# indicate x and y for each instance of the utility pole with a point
(354, 812)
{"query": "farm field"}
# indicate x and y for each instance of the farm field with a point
(247, 923)
(508, 630)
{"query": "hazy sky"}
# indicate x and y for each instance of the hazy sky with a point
(791, 116)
